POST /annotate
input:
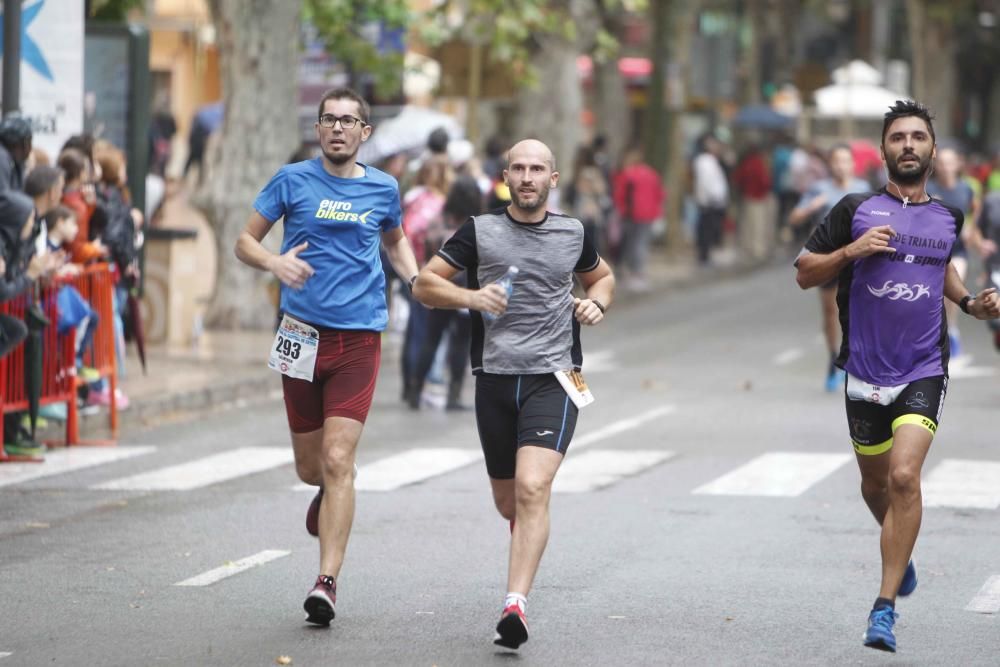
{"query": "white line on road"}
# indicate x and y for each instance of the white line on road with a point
(202, 472)
(987, 600)
(408, 467)
(599, 468)
(963, 483)
(788, 356)
(229, 569)
(65, 460)
(622, 425)
(775, 474)
(5, 655)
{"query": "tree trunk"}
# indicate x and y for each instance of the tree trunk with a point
(258, 58)
(916, 21)
(611, 111)
(675, 181)
(656, 123)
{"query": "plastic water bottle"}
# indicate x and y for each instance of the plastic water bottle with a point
(507, 283)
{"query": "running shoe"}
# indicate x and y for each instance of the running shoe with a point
(512, 630)
(909, 582)
(312, 514)
(320, 602)
(835, 380)
(879, 634)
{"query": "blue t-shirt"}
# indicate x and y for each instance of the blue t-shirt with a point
(343, 220)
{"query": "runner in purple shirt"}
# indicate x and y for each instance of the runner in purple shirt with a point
(890, 252)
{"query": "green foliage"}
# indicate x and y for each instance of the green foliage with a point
(511, 30)
(341, 24)
(113, 10)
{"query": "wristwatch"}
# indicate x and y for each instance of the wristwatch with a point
(964, 303)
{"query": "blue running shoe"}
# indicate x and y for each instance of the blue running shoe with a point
(835, 380)
(909, 582)
(879, 634)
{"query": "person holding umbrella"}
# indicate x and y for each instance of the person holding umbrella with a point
(21, 268)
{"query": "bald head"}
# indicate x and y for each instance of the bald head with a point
(532, 149)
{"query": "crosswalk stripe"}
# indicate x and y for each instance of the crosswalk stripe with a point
(622, 425)
(5, 654)
(411, 467)
(788, 356)
(66, 460)
(203, 472)
(775, 474)
(987, 600)
(963, 483)
(598, 468)
(235, 567)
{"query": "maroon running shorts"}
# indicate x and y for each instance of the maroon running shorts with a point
(343, 383)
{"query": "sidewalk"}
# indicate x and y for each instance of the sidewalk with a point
(230, 368)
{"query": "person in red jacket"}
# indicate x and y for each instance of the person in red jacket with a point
(638, 195)
(752, 179)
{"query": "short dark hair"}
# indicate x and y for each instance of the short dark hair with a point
(345, 94)
(73, 162)
(83, 143)
(54, 216)
(40, 180)
(464, 199)
(904, 108)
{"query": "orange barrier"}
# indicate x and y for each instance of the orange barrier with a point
(96, 285)
(59, 381)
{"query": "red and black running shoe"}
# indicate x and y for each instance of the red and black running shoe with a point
(320, 602)
(312, 514)
(512, 630)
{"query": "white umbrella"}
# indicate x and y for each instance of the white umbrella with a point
(856, 92)
(407, 132)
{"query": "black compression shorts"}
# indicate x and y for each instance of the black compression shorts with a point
(872, 425)
(517, 410)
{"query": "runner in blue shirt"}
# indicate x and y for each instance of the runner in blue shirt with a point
(890, 252)
(336, 212)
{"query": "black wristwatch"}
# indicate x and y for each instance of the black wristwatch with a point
(964, 303)
(412, 280)
(599, 305)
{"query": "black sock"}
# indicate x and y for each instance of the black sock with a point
(884, 602)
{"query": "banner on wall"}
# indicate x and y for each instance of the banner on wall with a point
(52, 70)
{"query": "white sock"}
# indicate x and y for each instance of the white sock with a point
(515, 598)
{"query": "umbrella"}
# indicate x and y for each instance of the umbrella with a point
(763, 117)
(406, 132)
(136, 326)
(35, 320)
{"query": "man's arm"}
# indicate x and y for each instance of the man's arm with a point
(985, 305)
(435, 289)
(820, 268)
(400, 254)
(287, 268)
(599, 286)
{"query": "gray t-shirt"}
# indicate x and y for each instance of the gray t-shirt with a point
(538, 333)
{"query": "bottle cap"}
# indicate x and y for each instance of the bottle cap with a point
(513, 270)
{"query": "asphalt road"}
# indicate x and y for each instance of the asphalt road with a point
(710, 515)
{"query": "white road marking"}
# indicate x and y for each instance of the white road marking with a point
(5, 655)
(788, 356)
(599, 361)
(412, 466)
(599, 468)
(229, 569)
(775, 474)
(963, 483)
(620, 426)
(59, 461)
(203, 472)
(987, 600)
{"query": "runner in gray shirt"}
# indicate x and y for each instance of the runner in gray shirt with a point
(524, 415)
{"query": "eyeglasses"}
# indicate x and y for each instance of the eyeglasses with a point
(346, 122)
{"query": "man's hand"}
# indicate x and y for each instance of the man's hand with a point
(43, 266)
(873, 241)
(587, 312)
(289, 269)
(489, 299)
(986, 305)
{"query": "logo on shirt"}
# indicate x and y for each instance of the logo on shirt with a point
(331, 209)
(900, 291)
(885, 213)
